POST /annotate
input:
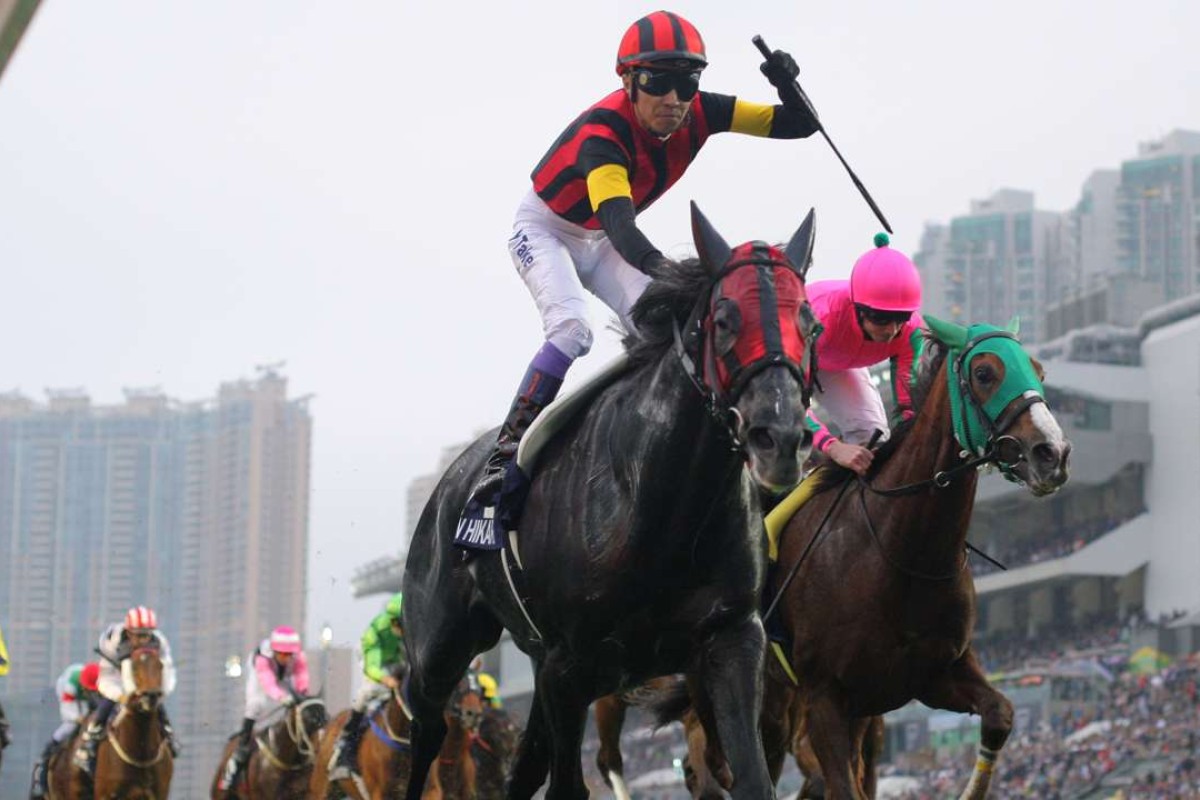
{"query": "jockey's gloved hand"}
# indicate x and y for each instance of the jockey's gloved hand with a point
(781, 71)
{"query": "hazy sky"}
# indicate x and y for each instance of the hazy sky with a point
(189, 189)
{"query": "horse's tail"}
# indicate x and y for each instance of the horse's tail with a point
(666, 698)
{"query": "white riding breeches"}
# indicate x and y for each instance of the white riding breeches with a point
(258, 703)
(369, 692)
(850, 401)
(559, 260)
(64, 731)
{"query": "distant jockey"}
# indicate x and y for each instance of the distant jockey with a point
(77, 694)
(870, 318)
(117, 644)
(384, 658)
(276, 675)
(5, 739)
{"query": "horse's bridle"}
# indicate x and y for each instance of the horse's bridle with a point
(293, 724)
(689, 349)
(993, 449)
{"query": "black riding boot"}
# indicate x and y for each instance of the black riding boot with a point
(40, 785)
(477, 523)
(345, 754)
(237, 759)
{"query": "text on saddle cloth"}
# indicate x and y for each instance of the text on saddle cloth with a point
(491, 531)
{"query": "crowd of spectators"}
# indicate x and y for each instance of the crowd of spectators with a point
(1137, 740)
(1047, 545)
(1146, 734)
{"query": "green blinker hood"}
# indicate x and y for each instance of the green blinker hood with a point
(973, 423)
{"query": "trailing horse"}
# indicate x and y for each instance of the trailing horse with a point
(134, 760)
(873, 583)
(282, 760)
(494, 751)
(384, 754)
(640, 547)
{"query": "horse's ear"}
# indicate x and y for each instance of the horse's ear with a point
(948, 333)
(713, 251)
(1014, 325)
(800, 246)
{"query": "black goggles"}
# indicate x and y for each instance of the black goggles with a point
(877, 317)
(660, 82)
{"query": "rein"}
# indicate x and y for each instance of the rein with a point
(293, 724)
(122, 754)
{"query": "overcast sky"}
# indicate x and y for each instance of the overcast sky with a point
(190, 189)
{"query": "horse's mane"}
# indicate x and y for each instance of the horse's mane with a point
(666, 302)
(928, 366)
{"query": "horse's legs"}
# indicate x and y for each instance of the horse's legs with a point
(966, 690)
(701, 781)
(829, 730)
(533, 752)
(610, 719)
(710, 768)
(562, 685)
(777, 724)
(730, 672)
(859, 727)
(429, 689)
(871, 749)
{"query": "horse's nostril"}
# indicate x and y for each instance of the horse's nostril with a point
(1046, 453)
(761, 439)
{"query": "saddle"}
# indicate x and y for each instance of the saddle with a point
(555, 417)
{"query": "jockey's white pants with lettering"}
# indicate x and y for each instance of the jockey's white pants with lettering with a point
(850, 401)
(559, 261)
(368, 693)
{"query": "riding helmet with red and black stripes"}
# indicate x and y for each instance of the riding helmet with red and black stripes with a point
(661, 37)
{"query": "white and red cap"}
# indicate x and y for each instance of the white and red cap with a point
(141, 618)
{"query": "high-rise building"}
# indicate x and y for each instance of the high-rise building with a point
(197, 509)
(1003, 259)
(1157, 203)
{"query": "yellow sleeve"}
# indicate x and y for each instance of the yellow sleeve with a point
(606, 182)
(752, 118)
(3, 656)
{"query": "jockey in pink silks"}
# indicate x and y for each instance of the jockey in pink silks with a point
(276, 674)
(870, 318)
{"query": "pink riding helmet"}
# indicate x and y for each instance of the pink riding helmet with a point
(885, 279)
(284, 639)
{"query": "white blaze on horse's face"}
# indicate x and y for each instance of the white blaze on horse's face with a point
(1048, 458)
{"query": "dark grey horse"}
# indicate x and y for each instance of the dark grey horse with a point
(640, 548)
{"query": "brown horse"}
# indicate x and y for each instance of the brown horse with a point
(882, 605)
(882, 612)
(282, 760)
(385, 754)
(134, 760)
(494, 750)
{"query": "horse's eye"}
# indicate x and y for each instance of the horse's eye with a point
(727, 322)
(985, 374)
